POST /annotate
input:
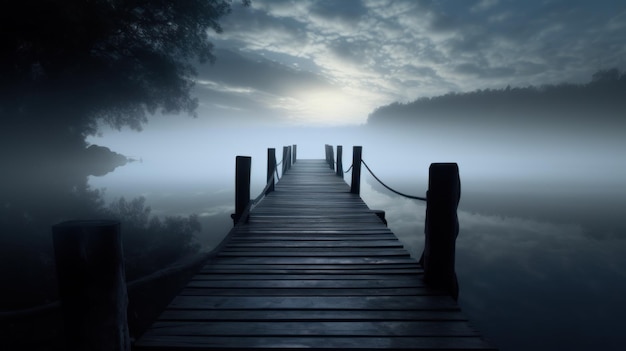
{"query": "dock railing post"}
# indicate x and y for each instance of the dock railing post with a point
(295, 149)
(332, 157)
(326, 153)
(355, 186)
(289, 157)
(92, 284)
(340, 161)
(284, 161)
(242, 185)
(271, 166)
(442, 227)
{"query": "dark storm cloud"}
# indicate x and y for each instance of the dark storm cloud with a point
(353, 51)
(349, 11)
(262, 28)
(562, 36)
(253, 71)
(234, 106)
(484, 72)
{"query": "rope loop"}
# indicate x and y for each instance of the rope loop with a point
(390, 189)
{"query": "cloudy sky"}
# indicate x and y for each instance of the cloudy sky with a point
(333, 62)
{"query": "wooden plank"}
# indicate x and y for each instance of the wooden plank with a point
(287, 237)
(175, 343)
(313, 253)
(245, 231)
(314, 302)
(309, 292)
(315, 260)
(311, 315)
(288, 270)
(332, 269)
(362, 328)
(344, 277)
(315, 244)
(309, 283)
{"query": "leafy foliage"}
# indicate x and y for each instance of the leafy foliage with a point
(113, 60)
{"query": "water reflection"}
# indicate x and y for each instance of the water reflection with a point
(537, 270)
(530, 283)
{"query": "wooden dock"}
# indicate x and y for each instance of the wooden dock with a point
(313, 268)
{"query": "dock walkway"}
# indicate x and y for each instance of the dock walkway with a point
(313, 268)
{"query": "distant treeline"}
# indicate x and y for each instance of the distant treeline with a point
(600, 101)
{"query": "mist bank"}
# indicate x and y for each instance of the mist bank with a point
(538, 237)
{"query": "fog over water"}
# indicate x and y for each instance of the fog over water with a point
(542, 243)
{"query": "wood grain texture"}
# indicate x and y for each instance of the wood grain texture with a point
(314, 268)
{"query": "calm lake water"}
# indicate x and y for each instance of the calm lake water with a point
(541, 270)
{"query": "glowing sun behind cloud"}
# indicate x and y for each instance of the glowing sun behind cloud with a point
(328, 107)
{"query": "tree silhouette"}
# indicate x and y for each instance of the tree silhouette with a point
(596, 103)
(103, 59)
(67, 66)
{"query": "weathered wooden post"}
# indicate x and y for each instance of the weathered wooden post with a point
(442, 226)
(355, 186)
(242, 185)
(289, 157)
(340, 161)
(271, 166)
(284, 161)
(331, 157)
(295, 149)
(92, 284)
(326, 153)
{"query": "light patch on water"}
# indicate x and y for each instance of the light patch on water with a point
(216, 210)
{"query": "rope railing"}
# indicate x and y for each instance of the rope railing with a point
(441, 224)
(242, 212)
(389, 188)
(263, 192)
(251, 204)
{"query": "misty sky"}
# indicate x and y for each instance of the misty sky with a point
(333, 62)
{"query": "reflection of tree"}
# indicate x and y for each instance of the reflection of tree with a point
(65, 67)
(149, 242)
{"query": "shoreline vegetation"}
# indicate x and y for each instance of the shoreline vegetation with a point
(560, 106)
